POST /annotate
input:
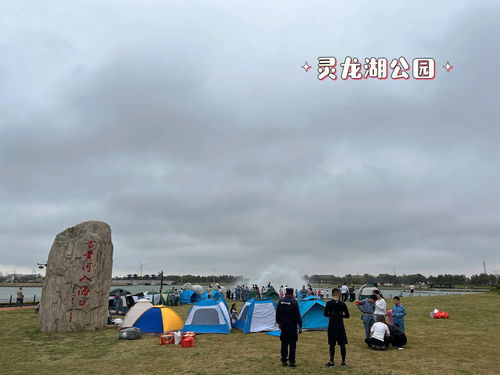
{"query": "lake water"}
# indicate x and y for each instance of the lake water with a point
(34, 293)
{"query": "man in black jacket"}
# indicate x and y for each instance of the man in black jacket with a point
(290, 323)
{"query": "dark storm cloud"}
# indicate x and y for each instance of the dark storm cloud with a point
(207, 149)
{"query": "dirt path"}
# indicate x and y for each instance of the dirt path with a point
(17, 308)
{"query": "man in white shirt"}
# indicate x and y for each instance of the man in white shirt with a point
(379, 334)
(380, 306)
(345, 292)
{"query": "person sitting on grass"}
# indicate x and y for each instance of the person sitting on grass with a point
(234, 312)
(379, 335)
(398, 338)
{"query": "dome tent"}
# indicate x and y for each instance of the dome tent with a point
(366, 291)
(312, 313)
(152, 319)
(257, 315)
(208, 316)
(189, 297)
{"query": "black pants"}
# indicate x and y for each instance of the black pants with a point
(288, 344)
(374, 342)
(344, 297)
(399, 341)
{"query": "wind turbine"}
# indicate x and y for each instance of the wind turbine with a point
(141, 266)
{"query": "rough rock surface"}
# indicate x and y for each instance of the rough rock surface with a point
(78, 279)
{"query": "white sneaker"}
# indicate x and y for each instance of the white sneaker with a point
(400, 348)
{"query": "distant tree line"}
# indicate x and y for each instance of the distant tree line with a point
(479, 279)
(21, 278)
(181, 279)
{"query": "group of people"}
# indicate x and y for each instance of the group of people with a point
(241, 293)
(379, 334)
(290, 322)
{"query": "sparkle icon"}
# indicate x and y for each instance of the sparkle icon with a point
(306, 66)
(448, 66)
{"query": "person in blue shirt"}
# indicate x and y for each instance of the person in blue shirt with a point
(367, 307)
(398, 313)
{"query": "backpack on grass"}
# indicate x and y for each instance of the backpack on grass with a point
(131, 333)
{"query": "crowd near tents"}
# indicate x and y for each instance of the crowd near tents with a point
(210, 313)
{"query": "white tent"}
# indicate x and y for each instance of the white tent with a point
(257, 315)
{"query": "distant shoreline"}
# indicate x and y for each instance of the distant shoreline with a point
(324, 286)
(24, 285)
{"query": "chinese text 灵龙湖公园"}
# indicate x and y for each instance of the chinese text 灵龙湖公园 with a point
(376, 67)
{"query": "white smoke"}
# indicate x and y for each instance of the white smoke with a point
(278, 276)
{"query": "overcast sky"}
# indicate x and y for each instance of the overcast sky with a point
(192, 130)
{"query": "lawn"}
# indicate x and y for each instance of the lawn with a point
(467, 343)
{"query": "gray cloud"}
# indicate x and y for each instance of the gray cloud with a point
(193, 132)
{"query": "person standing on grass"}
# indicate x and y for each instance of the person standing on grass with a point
(412, 290)
(20, 297)
(336, 310)
(118, 301)
(367, 307)
(290, 323)
(352, 293)
(399, 312)
(345, 292)
(380, 306)
(209, 294)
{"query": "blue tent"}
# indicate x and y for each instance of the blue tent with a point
(216, 295)
(312, 313)
(189, 297)
(208, 316)
(257, 315)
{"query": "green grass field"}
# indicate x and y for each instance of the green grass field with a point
(467, 343)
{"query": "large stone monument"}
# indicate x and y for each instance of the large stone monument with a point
(78, 279)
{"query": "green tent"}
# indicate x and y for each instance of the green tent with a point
(271, 294)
